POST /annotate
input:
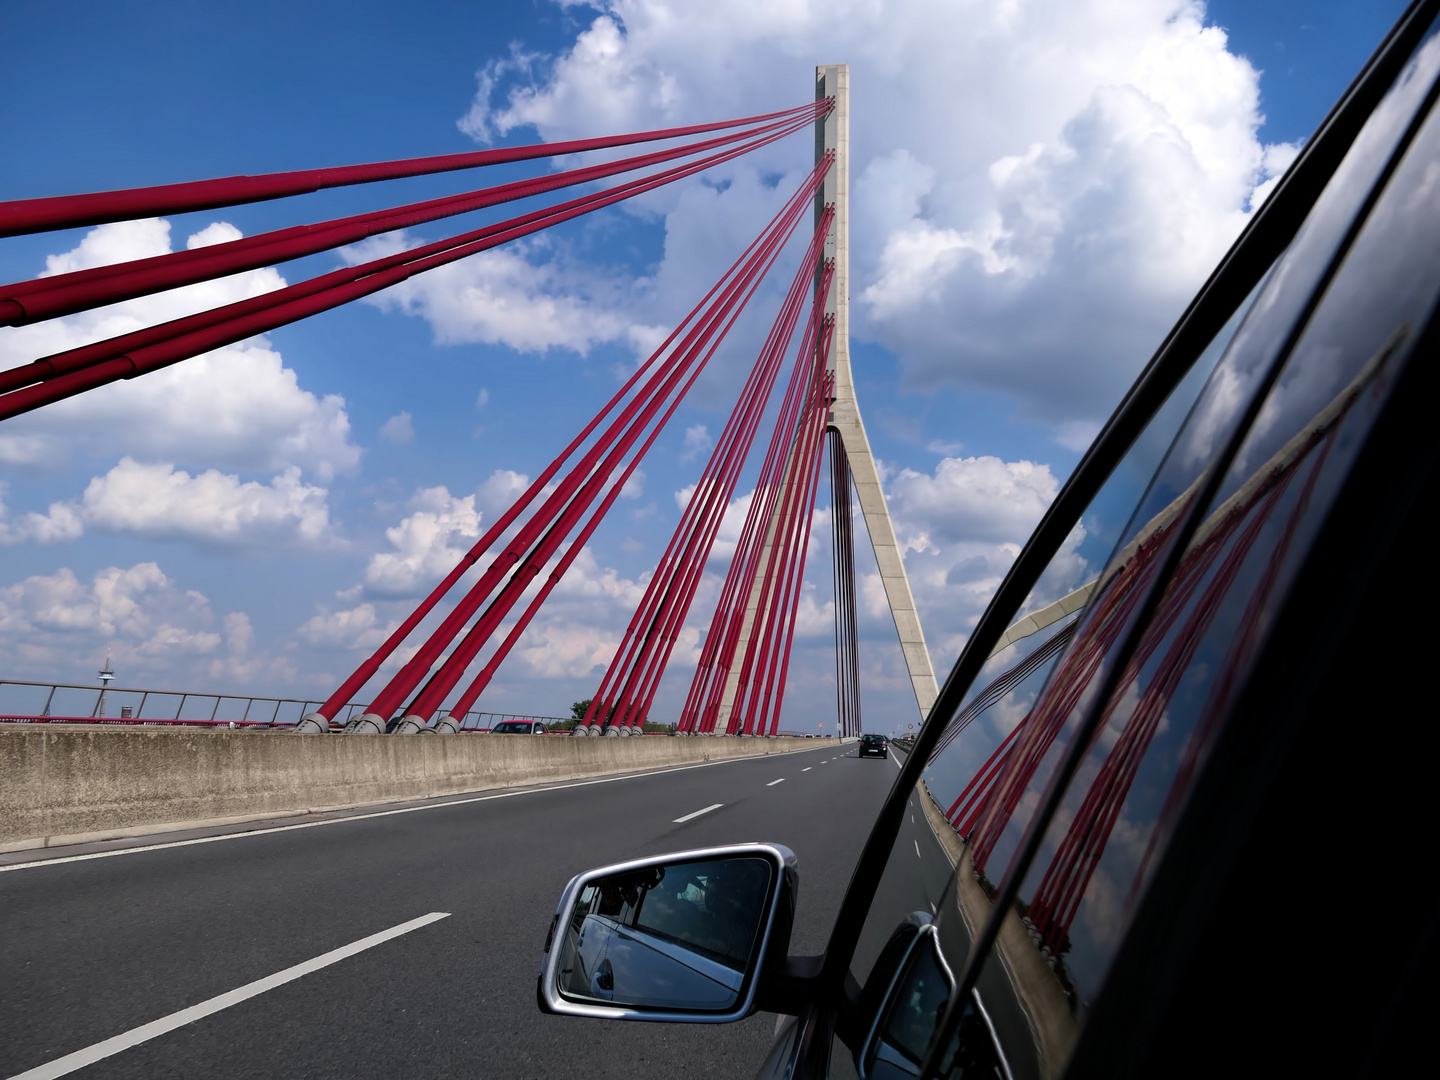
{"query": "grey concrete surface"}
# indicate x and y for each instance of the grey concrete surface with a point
(91, 949)
(68, 786)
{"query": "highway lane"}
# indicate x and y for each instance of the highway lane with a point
(92, 949)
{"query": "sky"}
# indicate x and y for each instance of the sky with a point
(1039, 186)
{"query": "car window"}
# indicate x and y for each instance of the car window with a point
(920, 874)
(981, 787)
(1211, 615)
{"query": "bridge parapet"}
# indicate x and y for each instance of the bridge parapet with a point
(78, 785)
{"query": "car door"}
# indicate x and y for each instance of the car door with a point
(1052, 823)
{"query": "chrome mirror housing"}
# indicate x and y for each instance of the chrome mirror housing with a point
(686, 937)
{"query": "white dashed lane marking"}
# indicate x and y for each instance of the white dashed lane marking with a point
(772, 783)
(697, 813)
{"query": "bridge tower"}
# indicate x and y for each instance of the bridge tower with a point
(832, 134)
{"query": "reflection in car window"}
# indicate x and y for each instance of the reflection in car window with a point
(1212, 616)
(1131, 573)
(1074, 905)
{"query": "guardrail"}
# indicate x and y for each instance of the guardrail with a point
(24, 702)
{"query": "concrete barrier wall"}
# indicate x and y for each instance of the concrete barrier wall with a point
(65, 786)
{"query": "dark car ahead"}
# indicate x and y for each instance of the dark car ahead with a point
(874, 746)
(1199, 847)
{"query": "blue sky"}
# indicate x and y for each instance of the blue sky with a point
(1038, 190)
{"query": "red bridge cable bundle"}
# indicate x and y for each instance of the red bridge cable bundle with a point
(50, 297)
(366, 670)
(628, 687)
(540, 536)
(77, 370)
(657, 390)
(68, 211)
(765, 567)
(761, 506)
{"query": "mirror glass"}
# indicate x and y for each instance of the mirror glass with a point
(679, 936)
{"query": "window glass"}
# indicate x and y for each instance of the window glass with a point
(1041, 680)
(1111, 827)
(920, 875)
(1144, 543)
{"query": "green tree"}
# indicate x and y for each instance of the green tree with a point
(579, 708)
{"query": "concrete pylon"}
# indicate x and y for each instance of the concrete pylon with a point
(833, 134)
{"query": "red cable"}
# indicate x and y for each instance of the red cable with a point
(454, 667)
(408, 677)
(643, 656)
(48, 298)
(82, 370)
(67, 211)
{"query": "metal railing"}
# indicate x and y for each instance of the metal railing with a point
(24, 702)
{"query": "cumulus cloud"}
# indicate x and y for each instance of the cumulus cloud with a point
(53, 623)
(521, 296)
(1032, 229)
(961, 527)
(62, 522)
(399, 429)
(163, 502)
(427, 544)
(236, 407)
(359, 627)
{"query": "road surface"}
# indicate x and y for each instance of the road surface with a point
(95, 948)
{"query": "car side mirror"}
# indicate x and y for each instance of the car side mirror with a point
(686, 937)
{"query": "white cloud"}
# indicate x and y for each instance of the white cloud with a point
(974, 498)
(508, 296)
(359, 627)
(427, 544)
(634, 485)
(62, 522)
(55, 624)
(1032, 228)
(236, 407)
(398, 429)
(163, 502)
(697, 441)
(500, 490)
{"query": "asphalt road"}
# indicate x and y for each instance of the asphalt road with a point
(93, 949)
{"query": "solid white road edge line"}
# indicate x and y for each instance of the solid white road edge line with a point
(697, 813)
(772, 783)
(366, 817)
(135, 1036)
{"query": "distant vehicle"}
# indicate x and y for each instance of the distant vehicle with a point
(874, 745)
(519, 727)
(1192, 852)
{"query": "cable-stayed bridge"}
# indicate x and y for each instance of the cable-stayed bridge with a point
(801, 377)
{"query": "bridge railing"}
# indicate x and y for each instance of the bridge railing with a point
(23, 702)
